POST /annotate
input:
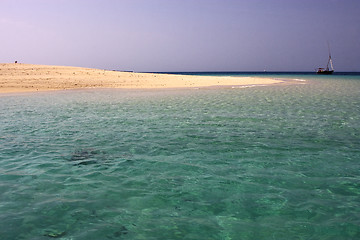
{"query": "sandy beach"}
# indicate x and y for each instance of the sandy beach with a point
(31, 78)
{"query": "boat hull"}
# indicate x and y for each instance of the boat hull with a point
(325, 72)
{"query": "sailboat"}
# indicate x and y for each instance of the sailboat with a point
(327, 70)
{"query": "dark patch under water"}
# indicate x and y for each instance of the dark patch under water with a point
(85, 157)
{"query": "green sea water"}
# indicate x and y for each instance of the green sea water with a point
(274, 162)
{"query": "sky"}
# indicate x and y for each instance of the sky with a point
(182, 35)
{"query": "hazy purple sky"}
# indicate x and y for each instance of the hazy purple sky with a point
(182, 35)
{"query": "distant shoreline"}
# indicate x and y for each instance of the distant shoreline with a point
(249, 73)
(19, 77)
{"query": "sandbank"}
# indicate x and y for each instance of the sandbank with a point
(19, 77)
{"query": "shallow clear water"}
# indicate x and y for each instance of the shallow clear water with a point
(276, 162)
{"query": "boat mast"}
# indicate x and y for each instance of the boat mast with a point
(330, 60)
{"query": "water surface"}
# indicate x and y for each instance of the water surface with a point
(275, 162)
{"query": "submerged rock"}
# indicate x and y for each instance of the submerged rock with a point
(122, 231)
(83, 154)
(85, 157)
(89, 156)
(54, 233)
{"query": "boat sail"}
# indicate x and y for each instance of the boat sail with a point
(327, 70)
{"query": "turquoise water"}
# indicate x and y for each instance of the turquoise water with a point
(276, 162)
